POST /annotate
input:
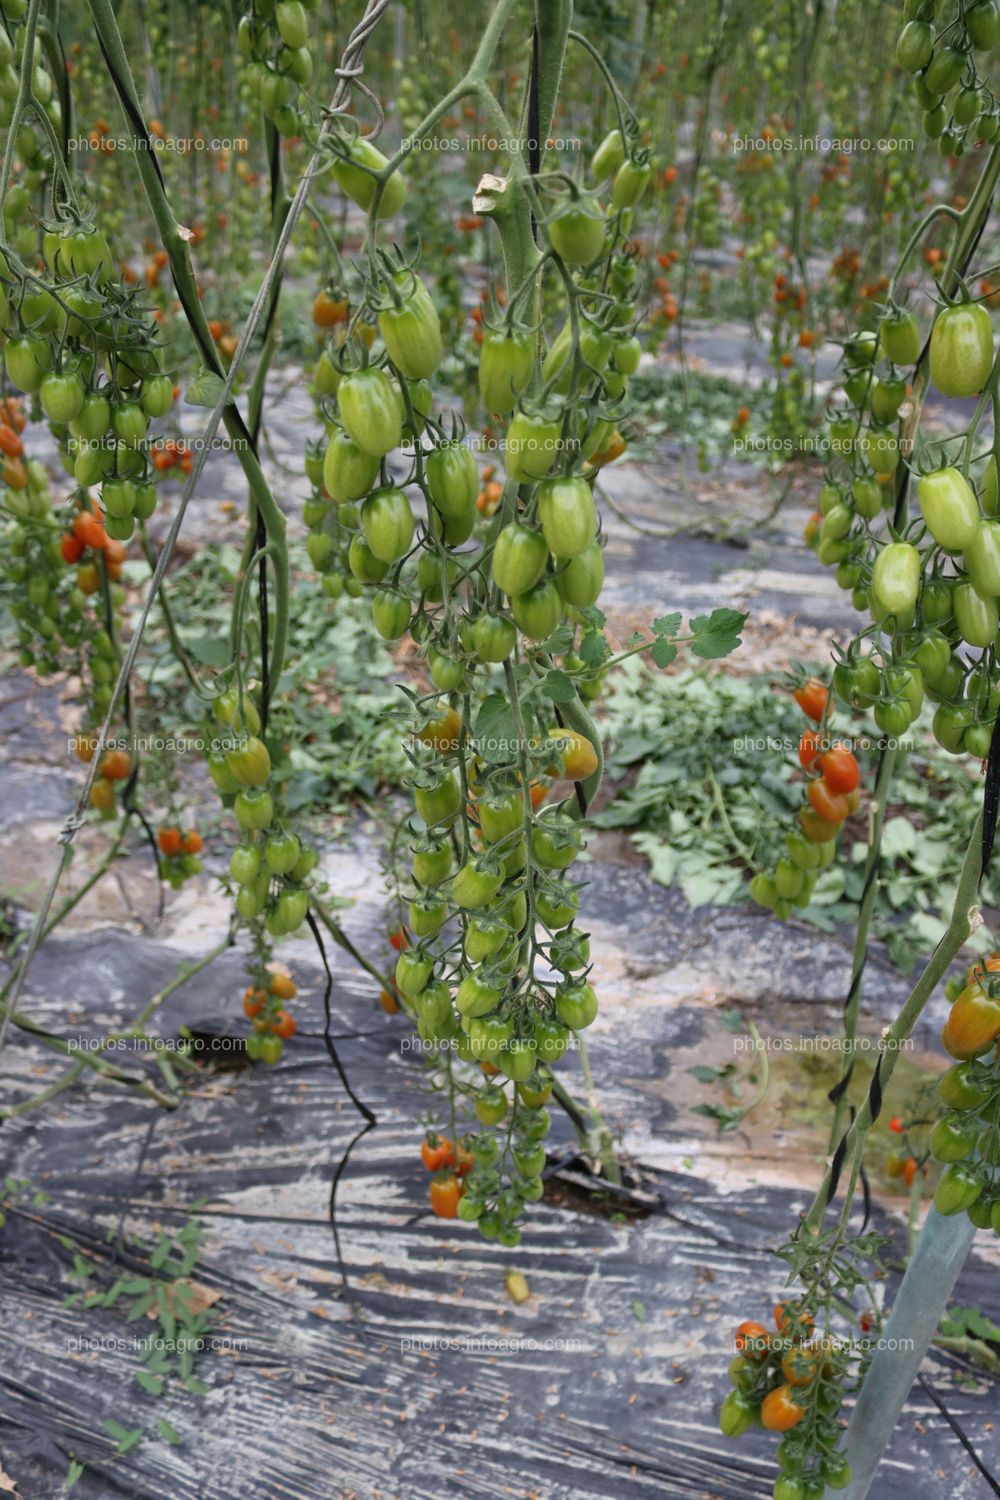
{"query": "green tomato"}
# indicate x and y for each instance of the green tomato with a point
(519, 558)
(608, 157)
(949, 507)
(958, 1090)
(538, 610)
(976, 616)
(506, 366)
(244, 864)
(493, 638)
(254, 808)
(354, 175)
(896, 578)
(577, 232)
(899, 337)
(631, 181)
(476, 883)
(411, 330)
(576, 1004)
(567, 514)
(452, 479)
(958, 1189)
(370, 411)
(281, 853)
(531, 446)
(961, 353)
(950, 722)
(982, 558)
(952, 1140)
(387, 522)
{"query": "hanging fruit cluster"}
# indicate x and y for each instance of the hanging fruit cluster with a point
(264, 1005)
(932, 583)
(967, 1138)
(791, 1382)
(499, 598)
(273, 37)
(179, 854)
(269, 865)
(936, 45)
(833, 794)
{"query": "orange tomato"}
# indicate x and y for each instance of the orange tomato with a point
(809, 748)
(284, 1025)
(841, 771)
(812, 697)
(577, 756)
(436, 1152)
(102, 795)
(283, 986)
(779, 1410)
(253, 1002)
(445, 1193)
(192, 843)
(826, 803)
(116, 765)
(752, 1340)
(169, 839)
(443, 732)
(388, 1002)
(71, 547)
(328, 311)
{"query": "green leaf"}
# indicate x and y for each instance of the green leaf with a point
(667, 624)
(171, 1434)
(125, 1437)
(73, 1473)
(205, 389)
(493, 731)
(717, 634)
(594, 649)
(150, 1383)
(557, 686)
(638, 1310)
(663, 652)
(161, 1250)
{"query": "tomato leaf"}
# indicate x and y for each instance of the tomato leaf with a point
(557, 686)
(494, 731)
(663, 652)
(717, 634)
(594, 649)
(667, 624)
(205, 389)
(170, 1434)
(149, 1382)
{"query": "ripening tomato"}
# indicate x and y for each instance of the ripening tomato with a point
(812, 697)
(841, 771)
(826, 803)
(577, 758)
(102, 795)
(445, 1194)
(961, 353)
(170, 841)
(973, 1024)
(116, 765)
(752, 1340)
(779, 1410)
(443, 731)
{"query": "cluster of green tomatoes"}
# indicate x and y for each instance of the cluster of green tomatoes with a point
(937, 45)
(932, 580)
(273, 38)
(269, 866)
(493, 968)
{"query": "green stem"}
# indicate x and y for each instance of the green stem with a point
(865, 913)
